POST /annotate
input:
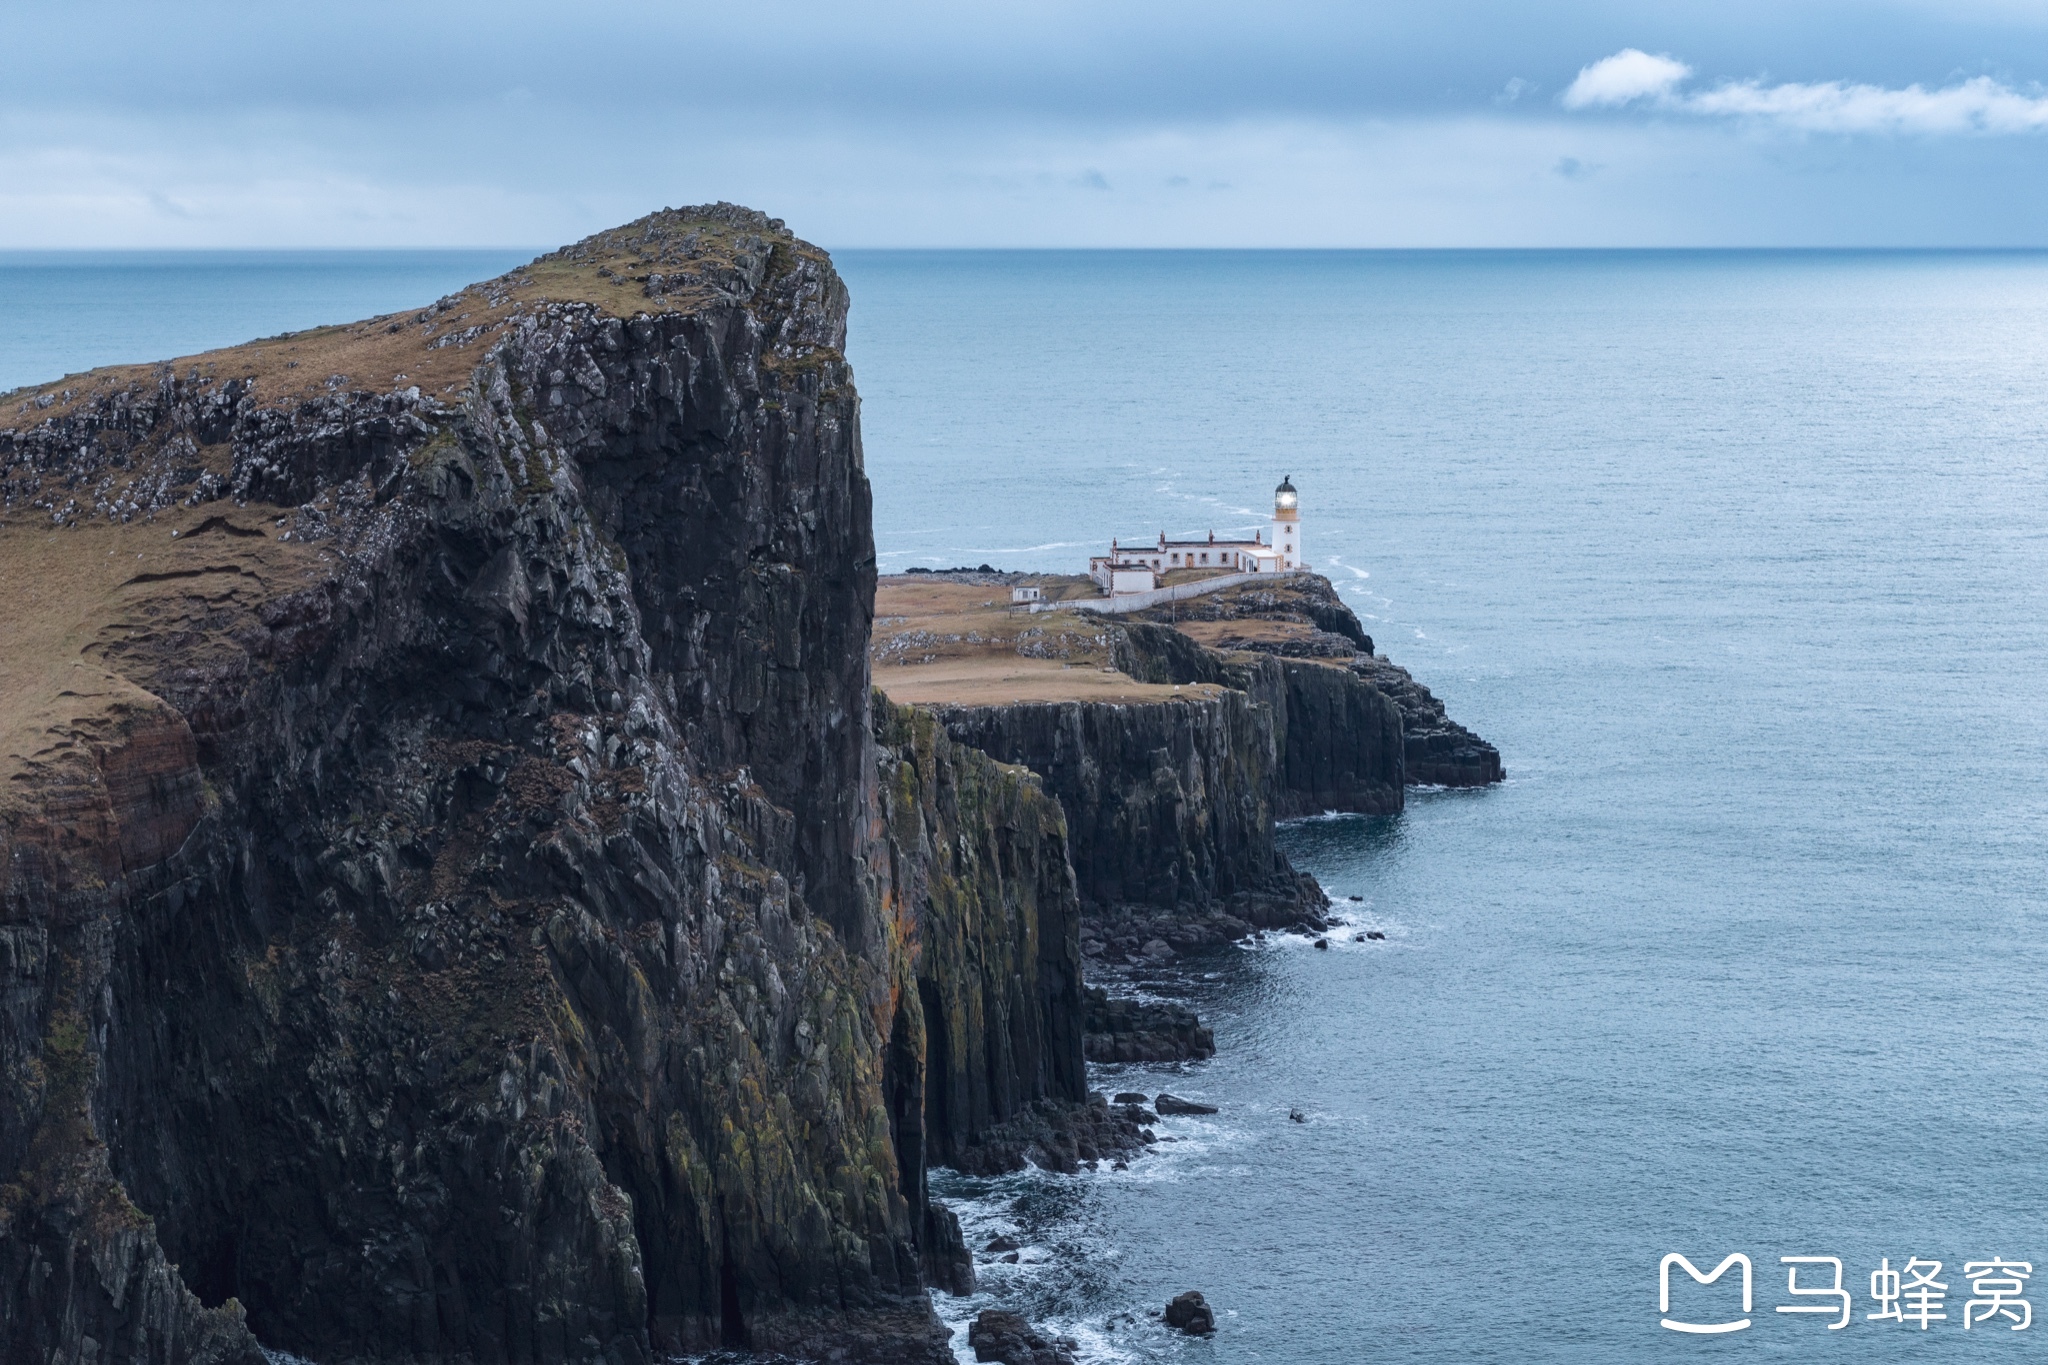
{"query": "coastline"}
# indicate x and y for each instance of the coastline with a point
(480, 816)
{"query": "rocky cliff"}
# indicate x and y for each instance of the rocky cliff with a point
(1338, 741)
(452, 901)
(1175, 738)
(977, 871)
(1302, 618)
(1168, 805)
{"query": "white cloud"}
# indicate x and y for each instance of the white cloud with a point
(1630, 74)
(1978, 105)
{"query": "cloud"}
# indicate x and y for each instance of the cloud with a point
(1630, 74)
(1978, 105)
(1981, 105)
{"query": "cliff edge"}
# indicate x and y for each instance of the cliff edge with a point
(453, 900)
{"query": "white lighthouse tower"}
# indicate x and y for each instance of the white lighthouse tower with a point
(1287, 523)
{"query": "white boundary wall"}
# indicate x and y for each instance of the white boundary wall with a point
(1179, 592)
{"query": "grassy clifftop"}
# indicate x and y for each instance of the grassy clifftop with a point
(673, 261)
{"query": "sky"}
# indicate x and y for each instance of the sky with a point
(1051, 123)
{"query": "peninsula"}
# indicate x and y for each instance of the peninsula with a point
(461, 894)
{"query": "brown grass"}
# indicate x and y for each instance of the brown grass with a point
(1216, 633)
(77, 628)
(938, 642)
(395, 350)
(994, 680)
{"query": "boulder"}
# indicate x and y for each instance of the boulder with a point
(1191, 1313)
(1007, 1338)
(1173, 1104)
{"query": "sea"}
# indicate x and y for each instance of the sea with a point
(1741, 559)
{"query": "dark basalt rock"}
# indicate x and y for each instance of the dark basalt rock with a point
(996, 1335)
(1436, 750)
(1340, 761)
(1055, 1136)
(1309, 599)
(1172, 1104)
(977, 876)
(1190, 1313)
(1337, 743)
(1168, 805)
(1125, 1030)
(495, 930)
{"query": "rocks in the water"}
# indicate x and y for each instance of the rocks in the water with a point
(1053, 1135)
(1191, 1313)
(1130, 1097)
(1124, 934)
(1354, 898)
(1137, 1113)
(1124, 1030)
(943, 1250)
(1323, 944)
(1158, 951)
(1006, 1338)
(1001, 1242)
(1375, 934)
(1297, 1116)
(1172, 1104)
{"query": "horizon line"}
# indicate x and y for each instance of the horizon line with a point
(1872, 248)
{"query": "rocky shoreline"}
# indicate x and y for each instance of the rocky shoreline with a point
(460, 897)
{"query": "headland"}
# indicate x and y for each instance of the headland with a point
(461, 895)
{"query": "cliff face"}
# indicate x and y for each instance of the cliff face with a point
(990, 1012)
(1302, 618)
(1168, 804)
(1337, 740)
(446, 909)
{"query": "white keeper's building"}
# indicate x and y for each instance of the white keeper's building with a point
(1138, 568)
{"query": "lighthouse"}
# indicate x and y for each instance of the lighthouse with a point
(1287, 523)
(1138, 567)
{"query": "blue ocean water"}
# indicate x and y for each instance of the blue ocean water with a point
(1738, 557)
